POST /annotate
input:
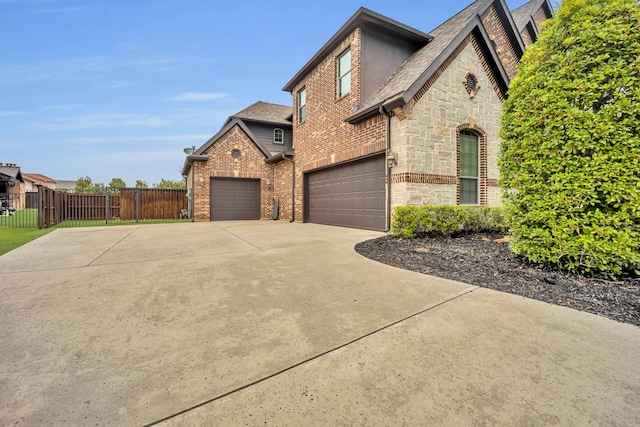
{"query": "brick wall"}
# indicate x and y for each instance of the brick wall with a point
(221, 163)
(424, 133)
(526, 37)
(282, 183)
(325, 138)
(503, 46)
(539, 17)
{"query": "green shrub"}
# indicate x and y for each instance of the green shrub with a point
(444, 220)
(570, 152)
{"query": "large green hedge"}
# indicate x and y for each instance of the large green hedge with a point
(570, 156)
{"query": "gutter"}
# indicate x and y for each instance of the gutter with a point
(384, 112)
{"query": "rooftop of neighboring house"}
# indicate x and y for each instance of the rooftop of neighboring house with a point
(11, 171)
(36, 177)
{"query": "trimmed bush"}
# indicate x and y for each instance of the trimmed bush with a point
(444, 220)
(570, 152)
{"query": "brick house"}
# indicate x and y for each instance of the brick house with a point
(385, 115)
(241, 170)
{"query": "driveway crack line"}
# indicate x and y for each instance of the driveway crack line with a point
(113, 246)
(317, 356)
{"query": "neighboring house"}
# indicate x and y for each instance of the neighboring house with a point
(384, 115)
(12, 188)
(65, 185)
(32, 180)
(241, 170)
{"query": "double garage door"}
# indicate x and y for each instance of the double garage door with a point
(235, 199)
(349, 195)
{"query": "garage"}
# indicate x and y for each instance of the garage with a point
(349, 195)
(235, 199)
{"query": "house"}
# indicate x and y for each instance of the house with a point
(384, 115)
(33, 180)
(12, 188)
(240, 171)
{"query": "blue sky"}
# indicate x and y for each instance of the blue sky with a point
(115, 88)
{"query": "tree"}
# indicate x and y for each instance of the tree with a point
(141, 184)
(167, 183)
(83, 185)
(570, 155)
(117, 183)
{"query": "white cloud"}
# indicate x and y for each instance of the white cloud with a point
(60, 10)
(198, 96)
(93, 121)
(179, 140)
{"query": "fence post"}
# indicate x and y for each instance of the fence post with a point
(107, 197)
(40, 206)
(137, 204)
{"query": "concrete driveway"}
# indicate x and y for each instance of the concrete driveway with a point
(276, 323)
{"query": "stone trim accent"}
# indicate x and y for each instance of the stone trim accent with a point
(441, 69)
(487, 69)
(483, 184)
(422, 178)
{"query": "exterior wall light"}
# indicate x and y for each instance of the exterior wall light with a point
(392, 160)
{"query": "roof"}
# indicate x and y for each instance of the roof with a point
(10, 170)
(265, 112)
(523, 15)
(418, 68)
(362, 18)
(38, 177)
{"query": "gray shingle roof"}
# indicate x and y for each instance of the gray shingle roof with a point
(265, 112)
(521, 15)
(416, 65)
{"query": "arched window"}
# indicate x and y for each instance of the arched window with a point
(469, 168)
(472, 167)
(278, 136)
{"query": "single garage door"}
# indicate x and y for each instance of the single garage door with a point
(350, 195)
(235, 199)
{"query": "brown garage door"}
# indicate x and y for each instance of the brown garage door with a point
(235, 199)
(350, 195)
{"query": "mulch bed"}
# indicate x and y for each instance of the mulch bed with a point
(479, 260)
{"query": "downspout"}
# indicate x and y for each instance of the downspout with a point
(384, 112)
(293, 186)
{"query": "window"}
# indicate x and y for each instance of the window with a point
(302, 105)
(344, 73)
(278, 136)
(469, 168)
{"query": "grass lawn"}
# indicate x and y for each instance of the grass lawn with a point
(11, 238)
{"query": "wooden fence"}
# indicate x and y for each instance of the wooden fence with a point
(124, 204)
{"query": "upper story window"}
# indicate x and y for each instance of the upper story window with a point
(344, 73)
(278, 136)
(469, 168)
(302, 105)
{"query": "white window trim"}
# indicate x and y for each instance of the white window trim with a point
(275, 140)
(340, 75)
(302, 119)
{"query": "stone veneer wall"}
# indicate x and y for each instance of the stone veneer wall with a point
(424, 133)
(324, 138)
(250, 164)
